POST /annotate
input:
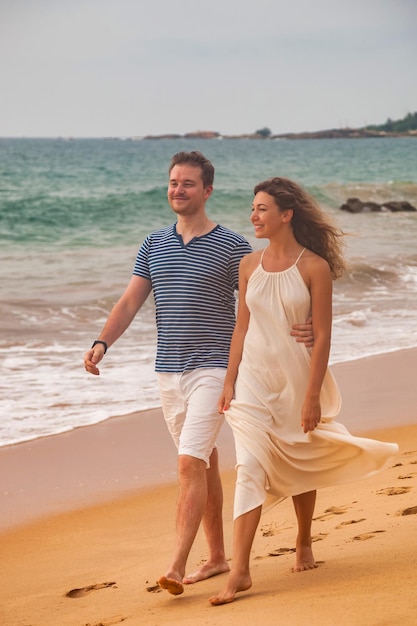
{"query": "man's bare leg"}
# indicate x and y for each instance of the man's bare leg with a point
(192, 500)
(213, 527)
(239, 579)
(304, 509)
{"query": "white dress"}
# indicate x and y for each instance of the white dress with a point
(275, 458)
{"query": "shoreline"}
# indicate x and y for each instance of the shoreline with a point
(141, 411)
(121, 455)
(93, 510)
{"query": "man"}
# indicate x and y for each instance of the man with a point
(192, 268)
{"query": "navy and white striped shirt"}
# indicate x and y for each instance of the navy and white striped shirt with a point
(193, 287)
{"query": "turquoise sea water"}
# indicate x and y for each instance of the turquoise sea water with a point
(74, 212)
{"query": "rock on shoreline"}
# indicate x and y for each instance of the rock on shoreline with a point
(354, 205)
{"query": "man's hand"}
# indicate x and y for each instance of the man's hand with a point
(303, 333)
(92, 357)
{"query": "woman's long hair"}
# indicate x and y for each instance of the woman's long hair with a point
(311, 226)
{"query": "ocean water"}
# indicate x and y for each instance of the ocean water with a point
(73, 214)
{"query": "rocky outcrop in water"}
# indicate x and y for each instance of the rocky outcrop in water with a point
(354, 205)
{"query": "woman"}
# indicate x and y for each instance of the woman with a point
(285, 398)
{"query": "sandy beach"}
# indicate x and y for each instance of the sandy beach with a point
(92, 510)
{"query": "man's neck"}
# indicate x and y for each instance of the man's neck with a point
(195, 227)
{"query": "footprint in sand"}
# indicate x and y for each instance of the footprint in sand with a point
(351, 521)
(111, 622)
(319, 537)
(83, 591)
(279, 552)
(393, 491)
(406, 461)
(269, 530)
(282, 551)
(409, 461)
(333, 510)
(366, 536)
(411, 510)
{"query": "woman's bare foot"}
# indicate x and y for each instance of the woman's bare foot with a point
(235, 583)
(206, 571)
(304, 559)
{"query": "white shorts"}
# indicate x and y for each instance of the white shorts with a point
(190, 406)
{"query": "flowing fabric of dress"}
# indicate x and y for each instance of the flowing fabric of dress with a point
(275, 458)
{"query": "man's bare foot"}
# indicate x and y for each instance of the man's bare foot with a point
(235, 583)
(206, 571)
(304, 559)
(171, 585)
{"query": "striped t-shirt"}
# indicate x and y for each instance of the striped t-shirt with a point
(193, 287)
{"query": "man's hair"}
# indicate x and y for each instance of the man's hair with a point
(195, 159)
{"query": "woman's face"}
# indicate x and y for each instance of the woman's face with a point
(266, 216)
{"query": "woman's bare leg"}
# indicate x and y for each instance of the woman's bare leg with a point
(239, 579)
(304, 509)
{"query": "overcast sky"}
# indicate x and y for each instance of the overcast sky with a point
(136, 67)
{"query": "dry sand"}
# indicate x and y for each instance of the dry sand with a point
(93, 510)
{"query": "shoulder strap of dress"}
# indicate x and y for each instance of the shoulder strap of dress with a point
(299, 256)
(262, 255)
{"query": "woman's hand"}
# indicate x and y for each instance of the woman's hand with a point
(225, 398)
(311, 414)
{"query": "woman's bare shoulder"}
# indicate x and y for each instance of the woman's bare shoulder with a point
(311, 257)
(250, 261)
(312, 264)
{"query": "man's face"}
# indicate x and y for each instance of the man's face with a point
(186, 193)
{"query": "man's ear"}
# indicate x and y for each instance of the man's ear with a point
(208, 191)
